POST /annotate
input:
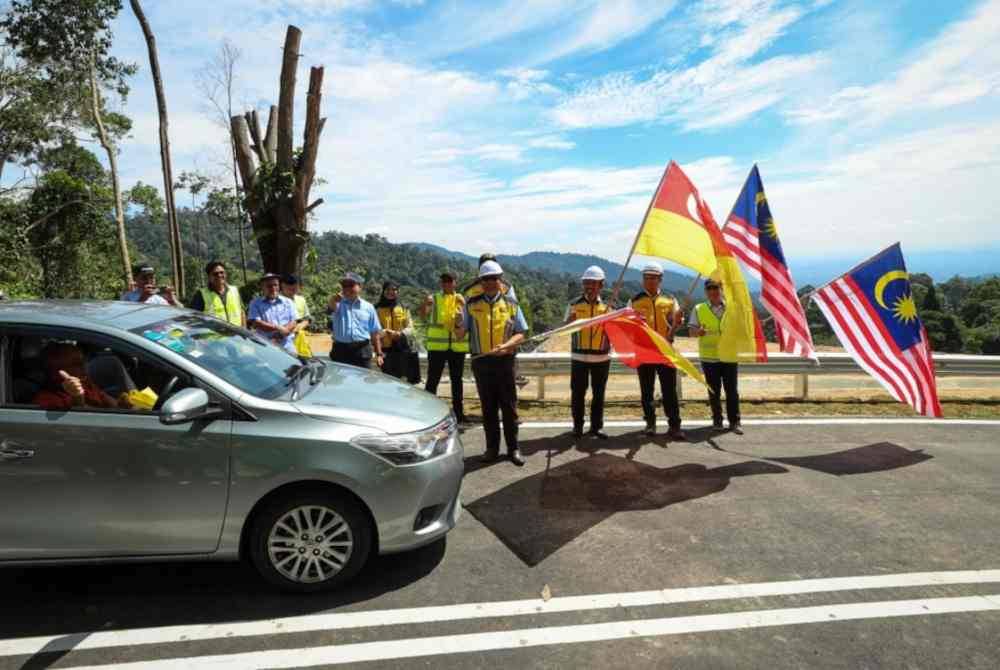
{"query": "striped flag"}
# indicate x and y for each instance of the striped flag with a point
(871, 309)
(752, 236)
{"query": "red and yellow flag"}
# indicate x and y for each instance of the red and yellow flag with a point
(680, 227)
(636, 344)
(673, 228)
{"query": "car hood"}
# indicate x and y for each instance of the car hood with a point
(368, 398)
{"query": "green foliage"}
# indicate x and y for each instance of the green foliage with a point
(980, 306)
(72, 235)
(930, 302)
(945, 330)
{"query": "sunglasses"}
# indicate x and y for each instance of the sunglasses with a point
(221, 273)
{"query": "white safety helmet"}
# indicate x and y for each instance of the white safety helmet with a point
(652, 269)
(490, 269)
(593, 272)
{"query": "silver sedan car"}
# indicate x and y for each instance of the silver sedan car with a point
(132, 432)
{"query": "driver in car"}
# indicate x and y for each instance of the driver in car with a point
(68, 385)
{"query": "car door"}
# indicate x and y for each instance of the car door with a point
(92, 482)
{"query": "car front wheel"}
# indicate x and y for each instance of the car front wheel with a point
(310, 541)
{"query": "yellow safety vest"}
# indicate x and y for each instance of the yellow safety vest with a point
(440, 331)
(301, 307)
(589, 340)
(492, 322)
(392, 318)
(231, 310)
(658, 312)
(708, 344)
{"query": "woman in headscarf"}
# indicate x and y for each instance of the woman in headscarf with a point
(396, 326)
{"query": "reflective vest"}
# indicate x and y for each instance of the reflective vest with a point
(301, 307)
(231, 310)
(658, 312)
(392, 318)
(708, 344)
(589, 340)
(492, 322)
(440, 330)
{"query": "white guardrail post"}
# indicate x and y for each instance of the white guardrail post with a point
(542, 365)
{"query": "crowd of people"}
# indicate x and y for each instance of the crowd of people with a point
(482, 320)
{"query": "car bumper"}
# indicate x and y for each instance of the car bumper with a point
(419, 504)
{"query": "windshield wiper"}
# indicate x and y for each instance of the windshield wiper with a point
(293, 378)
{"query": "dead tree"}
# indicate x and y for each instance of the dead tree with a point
(277, 179)
(177, 251)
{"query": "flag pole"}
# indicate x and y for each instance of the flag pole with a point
(621, 277)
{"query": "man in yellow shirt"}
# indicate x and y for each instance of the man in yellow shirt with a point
(590, 361)
(661, 313)
(443, 347)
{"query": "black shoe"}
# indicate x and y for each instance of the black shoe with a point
(598, 433)
(577, 433)
(736, 428)
(650, 428)
(717, 426)
(491, 456)
(516, 458)
(676, 434)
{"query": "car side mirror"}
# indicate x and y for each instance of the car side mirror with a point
(187, 405)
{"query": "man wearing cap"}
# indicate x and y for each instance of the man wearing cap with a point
(475, 287)
(661, 313)
(272, 314)
(707, 323)
(290, 289)
(219, 299)
(145, 290)
(496, 326)
(589, 357)
(443, 347)
(355, 325)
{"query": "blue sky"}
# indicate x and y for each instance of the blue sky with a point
(522, 125)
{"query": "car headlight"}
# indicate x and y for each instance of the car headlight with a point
(406, 448)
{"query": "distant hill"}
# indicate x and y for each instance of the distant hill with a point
(569, 263)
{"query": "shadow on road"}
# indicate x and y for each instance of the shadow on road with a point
(84, 598)
(537, 515)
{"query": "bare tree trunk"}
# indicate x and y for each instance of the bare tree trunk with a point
(280, 218)
(109, 149)
(177, 255)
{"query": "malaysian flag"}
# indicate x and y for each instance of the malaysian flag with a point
(871, 309)
(752, 236)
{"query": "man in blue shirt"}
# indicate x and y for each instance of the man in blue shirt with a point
(145, 287)
(355, 325)
(272, 314)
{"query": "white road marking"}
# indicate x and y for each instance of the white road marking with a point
(537, 637)
(838, 421)
(368, 619)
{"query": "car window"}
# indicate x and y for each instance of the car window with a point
(63, 371)
(236, 355)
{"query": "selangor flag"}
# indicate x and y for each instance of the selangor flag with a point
(632, 339)
(871, 309)
(673, 228)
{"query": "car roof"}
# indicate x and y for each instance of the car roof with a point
(84, 313)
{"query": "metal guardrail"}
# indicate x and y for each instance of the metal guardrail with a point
(541, 365)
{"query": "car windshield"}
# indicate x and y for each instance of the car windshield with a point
(243, 359)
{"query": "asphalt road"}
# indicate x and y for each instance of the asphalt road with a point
(833, 546)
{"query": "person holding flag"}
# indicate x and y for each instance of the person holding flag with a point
(872, 311)
(661, 313)
(752, 236)
(590, 361)
(707, 323)
(496, 326)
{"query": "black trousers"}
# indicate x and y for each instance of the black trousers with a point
(358, 354)
(722, 375)
(498, 396)
(668, 388)
(394, 363)
(456, 364)
(596, 375)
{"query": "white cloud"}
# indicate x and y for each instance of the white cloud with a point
(721, 90)
(556, 142)
(961, 65)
